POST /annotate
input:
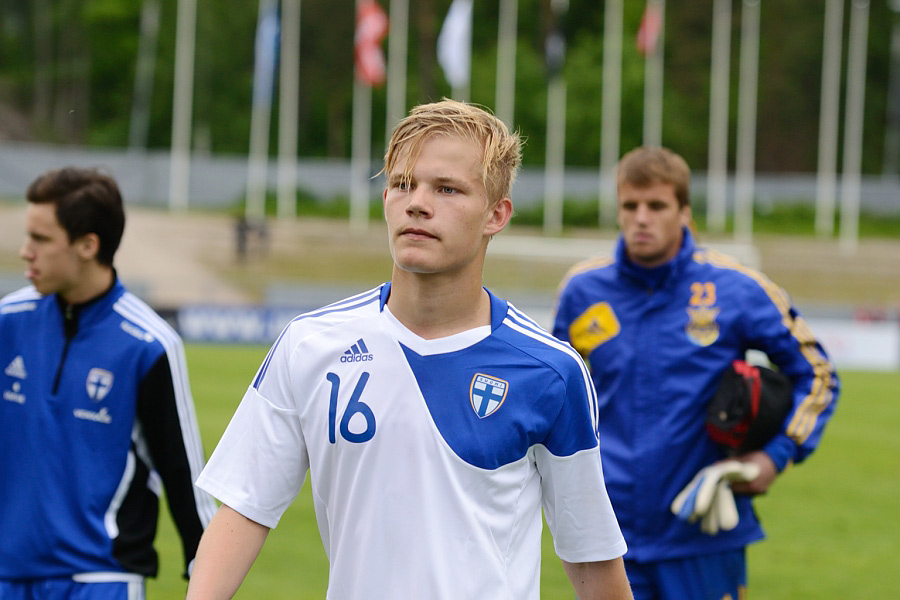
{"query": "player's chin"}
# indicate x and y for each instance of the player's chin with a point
(414, 261)
(41, 286)
(643, 245)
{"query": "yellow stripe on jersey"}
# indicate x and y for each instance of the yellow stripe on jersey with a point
(588, 264)
(804, 420)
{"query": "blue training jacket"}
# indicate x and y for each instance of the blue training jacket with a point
(657, 341)
(96, 417)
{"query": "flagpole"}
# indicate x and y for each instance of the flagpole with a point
(554, 161)
(261, 112)
(610, 127)
(182, 102)
(717, 172)
(746, 132)
(504, 103)
(361, 155)
(890, 166)
(653, 83)
(891, 161)
(829, 109)
(143, 78)
(853, 124)
(369, 69)
(396, 64)
(463, 91)
(288, 109)
(143, 91)
(554, 168)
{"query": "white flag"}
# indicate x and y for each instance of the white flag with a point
(454, 45)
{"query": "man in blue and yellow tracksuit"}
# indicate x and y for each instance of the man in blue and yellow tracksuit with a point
(659, 323)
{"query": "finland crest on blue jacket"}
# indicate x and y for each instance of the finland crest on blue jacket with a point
(99, 382)
(487, 393)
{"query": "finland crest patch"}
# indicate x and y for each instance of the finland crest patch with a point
(486, 394)
(99, 382)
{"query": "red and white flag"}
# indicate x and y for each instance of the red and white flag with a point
(650, 28)
(371, 29)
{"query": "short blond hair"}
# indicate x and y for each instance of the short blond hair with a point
(647, 165)
(501, 149)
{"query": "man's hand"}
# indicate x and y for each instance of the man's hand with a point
(761, 483)
(708, 497)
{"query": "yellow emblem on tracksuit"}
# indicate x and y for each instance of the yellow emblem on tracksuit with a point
(595, 326)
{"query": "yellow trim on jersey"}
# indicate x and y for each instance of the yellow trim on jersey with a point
(588, 264)
(805, 417)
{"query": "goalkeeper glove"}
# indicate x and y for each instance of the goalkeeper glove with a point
(708, 497)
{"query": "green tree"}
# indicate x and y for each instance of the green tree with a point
(67, 71)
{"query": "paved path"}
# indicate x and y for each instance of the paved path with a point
(163, 259)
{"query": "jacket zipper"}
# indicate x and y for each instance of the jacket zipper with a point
(70, 327)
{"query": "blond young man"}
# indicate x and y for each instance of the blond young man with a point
(434, 419)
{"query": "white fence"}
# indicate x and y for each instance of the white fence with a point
(221, 181)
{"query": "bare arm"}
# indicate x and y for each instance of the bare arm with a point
(602, 580)
(227, 550)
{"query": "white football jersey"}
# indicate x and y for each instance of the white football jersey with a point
(429, 460)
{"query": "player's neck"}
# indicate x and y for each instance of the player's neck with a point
(95, 281)
(434, 307)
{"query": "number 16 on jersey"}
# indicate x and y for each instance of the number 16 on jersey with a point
(355, 406)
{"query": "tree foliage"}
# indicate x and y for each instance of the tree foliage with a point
(67, 75)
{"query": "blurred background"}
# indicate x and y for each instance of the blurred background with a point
(246, 137)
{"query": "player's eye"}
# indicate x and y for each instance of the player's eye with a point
(446, 189)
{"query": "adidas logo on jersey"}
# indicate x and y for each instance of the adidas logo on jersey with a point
(357, 353)
(16, 368)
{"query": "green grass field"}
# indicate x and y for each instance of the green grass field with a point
(833, 523)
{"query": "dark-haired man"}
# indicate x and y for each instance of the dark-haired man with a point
(96, 410)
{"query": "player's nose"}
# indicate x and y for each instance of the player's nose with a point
(418, 202)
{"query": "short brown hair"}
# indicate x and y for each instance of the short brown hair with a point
(646, 165)
(86, 201)
(501, 149)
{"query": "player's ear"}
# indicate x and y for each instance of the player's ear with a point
(499, 216)
(686, 215)
(87, 246)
